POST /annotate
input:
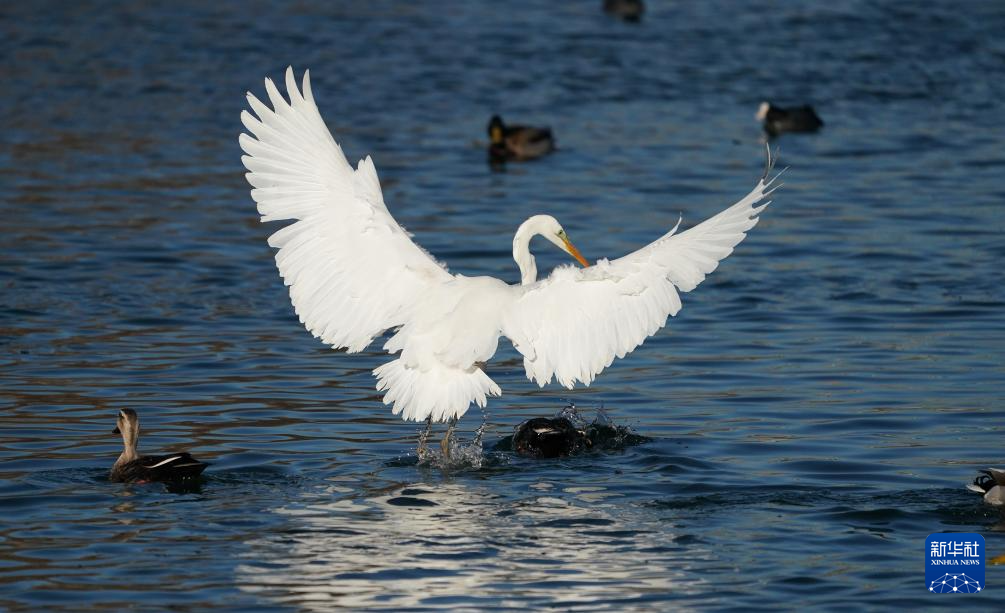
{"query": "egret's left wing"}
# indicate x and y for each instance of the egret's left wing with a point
(353, 272)
(573, 324)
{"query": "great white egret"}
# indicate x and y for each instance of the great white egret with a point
(353, 273)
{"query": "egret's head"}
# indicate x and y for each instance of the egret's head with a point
(496, 130)
(762, 111)
(553, 231)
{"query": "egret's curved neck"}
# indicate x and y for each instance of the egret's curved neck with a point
(522, 255)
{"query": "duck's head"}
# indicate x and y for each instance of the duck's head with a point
(128, 425)
(497, 130)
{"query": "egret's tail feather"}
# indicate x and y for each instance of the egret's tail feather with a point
(440, 392)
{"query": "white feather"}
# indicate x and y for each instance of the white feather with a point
(167, 461)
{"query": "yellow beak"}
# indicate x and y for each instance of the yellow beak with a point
(575, 253)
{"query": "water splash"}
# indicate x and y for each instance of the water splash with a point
(459, 454)
(571, 413)
(609, 436)
(599, 434)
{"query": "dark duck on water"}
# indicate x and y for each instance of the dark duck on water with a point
(568, 434)
(991, 485)
(518, 143)
(776, 119)
(134, 468)
(629, 10)
(549, 438)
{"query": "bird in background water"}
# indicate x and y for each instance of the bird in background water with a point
(775, 120)
(517, 143)
(628, 10)
(354, 272)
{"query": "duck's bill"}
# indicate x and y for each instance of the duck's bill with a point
(575, 253)
(116, 430)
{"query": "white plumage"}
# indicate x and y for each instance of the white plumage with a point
(353, 273)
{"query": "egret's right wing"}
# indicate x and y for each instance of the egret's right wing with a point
(573, 324)
(353, 272)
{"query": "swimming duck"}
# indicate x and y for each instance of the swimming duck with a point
(518, 142)
(991, 485)
(134, 468)
(549, 438)
(629, 10)
(795, 119)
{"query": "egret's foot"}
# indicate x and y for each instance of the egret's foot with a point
(422, 449)
(445, 443)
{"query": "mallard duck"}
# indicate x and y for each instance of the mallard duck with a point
(776, 119)
(134, 468)
(518, 142)
(991, 485)
(629, 10)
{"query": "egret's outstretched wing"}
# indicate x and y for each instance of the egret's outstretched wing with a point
(574, 323)
(353, 272)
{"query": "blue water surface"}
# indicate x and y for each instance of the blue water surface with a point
(814, 411)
